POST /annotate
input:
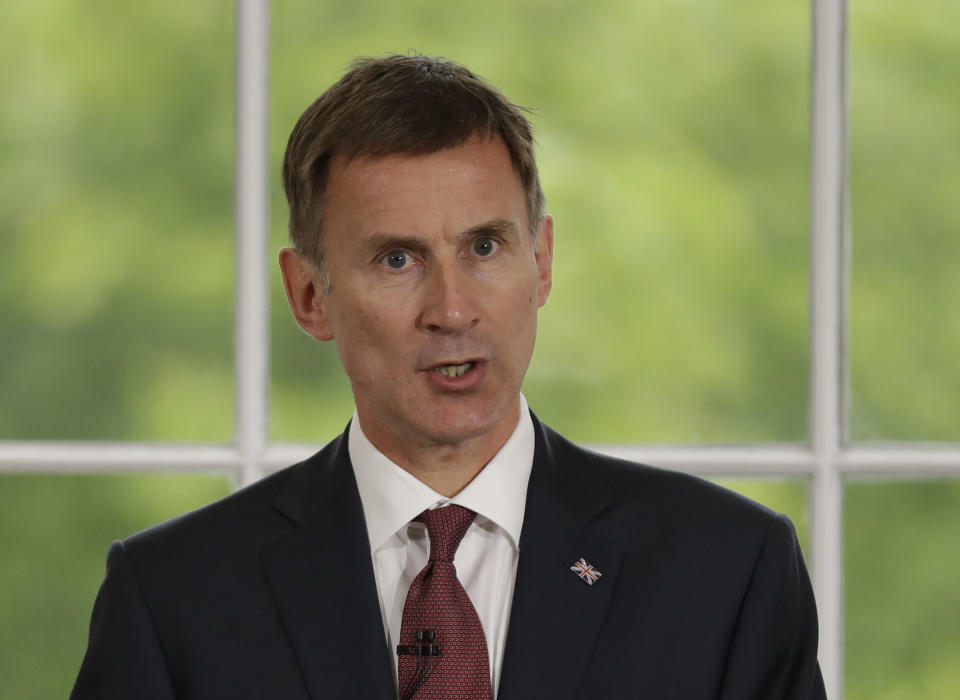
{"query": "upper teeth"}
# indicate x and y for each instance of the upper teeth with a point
(454, 370)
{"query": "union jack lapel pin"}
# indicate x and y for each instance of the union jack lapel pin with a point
(586, 571)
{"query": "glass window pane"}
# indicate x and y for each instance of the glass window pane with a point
(905, 176)
(902, 590)
(673, 150)
(116, 212)
(54, 536)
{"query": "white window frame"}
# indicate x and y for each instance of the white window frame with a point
(825, 461)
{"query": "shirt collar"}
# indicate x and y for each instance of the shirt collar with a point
(392, 497)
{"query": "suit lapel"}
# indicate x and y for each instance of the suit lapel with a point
(556, 616)
(321, 576)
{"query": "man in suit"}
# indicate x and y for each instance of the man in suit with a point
(422, 249)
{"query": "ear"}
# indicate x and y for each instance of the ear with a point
(305, 294)
(544, 254)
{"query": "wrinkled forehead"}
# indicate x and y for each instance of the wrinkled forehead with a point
(481, 166)
(433, 194)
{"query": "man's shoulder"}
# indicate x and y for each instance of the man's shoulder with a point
(240, 523)
(216, 532)
(642, 498)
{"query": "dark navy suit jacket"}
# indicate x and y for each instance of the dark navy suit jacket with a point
(270, 593)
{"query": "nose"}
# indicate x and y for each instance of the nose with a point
(451, 302)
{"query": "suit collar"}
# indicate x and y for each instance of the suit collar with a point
(556, 616)
(321, 576)
(313, 481)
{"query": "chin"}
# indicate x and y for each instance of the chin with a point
(463, 423)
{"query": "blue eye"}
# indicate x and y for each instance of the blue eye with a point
(397, 260)
(484, 246)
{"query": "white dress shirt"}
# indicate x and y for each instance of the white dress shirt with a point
(486, 560)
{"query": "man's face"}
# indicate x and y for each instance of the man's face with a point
(435, 282)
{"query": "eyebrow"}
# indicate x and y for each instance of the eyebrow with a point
(379, 243)
(500, 227)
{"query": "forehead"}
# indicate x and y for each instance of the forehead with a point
(445, 190)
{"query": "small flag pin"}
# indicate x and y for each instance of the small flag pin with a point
(586, 571)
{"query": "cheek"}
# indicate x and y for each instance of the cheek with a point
(520, 312)
(368, 339)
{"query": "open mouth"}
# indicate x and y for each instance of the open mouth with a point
(454, 371)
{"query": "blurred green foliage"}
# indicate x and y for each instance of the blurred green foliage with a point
(904, 182)
(673, 141)
(116, 195)
(902, 590)
(54, 535)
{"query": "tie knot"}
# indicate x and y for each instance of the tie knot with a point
(446, 527)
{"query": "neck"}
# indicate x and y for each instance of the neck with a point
(446, 467)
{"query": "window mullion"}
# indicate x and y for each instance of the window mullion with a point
(828, 281)
(252, 203)
(87, 457)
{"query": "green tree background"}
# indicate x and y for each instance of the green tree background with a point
(673, 141)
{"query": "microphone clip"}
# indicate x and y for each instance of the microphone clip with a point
(423, 647)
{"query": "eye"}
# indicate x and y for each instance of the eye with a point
(484, 247)
(396, 260)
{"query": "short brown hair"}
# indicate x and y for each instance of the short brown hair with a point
(410, 105)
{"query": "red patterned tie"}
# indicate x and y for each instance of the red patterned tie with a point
(442, 650)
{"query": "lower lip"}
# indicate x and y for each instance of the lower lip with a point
(468, 380)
